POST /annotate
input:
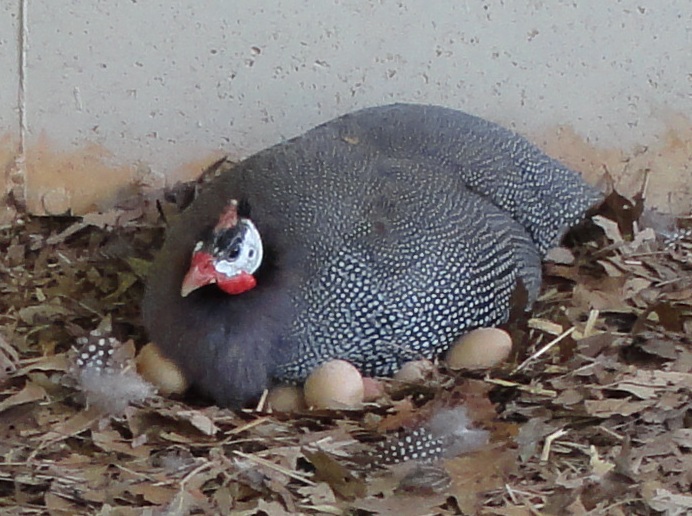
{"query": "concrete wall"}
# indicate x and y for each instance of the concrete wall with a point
(117, 92)
(9, 98)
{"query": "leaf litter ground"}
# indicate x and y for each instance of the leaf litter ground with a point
(591, 414)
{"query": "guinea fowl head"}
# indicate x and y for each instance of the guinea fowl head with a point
(228, 255)
(226, 346)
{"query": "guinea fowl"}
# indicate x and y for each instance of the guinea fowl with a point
(377, 238)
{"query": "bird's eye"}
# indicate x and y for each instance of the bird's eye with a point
(229, 244)
(234, 250)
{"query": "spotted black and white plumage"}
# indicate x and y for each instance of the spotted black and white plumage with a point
(105, 375)
(417, 445)
(447, 434)
(95, 353)
(387, 233)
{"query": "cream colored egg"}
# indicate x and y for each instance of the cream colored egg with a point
(336, 384)
(414, 371)
(286, 398)
(373, 389)
(480, 349)
(160, 371)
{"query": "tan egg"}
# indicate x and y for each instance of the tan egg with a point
(336, 385)
(286, 398)
(480, 349)
(372, 389)
(414, 371)
(160, 371)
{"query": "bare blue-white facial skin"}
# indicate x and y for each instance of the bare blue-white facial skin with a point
(246, 253)
(229, 260)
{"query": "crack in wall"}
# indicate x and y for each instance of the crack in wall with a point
(13, 157)
(19, 179)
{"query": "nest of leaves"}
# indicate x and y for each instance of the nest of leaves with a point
(591, 414)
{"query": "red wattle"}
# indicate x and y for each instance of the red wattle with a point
(237, 284)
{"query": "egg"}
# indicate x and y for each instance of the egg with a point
(160, 371)
(480, 349)
(336, 384)
(414, 371)
(373, 389)
(286, 398)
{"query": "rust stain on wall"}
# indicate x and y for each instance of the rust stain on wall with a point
(12, 180)
(77, 181)
(90, 178)
(193, 169)
(8, 154)
(663, 168)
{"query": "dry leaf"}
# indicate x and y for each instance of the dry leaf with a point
(29, 394)
(342, 481)
(478, 472)
(201, 422)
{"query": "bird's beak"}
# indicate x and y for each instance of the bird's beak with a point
(200, 273)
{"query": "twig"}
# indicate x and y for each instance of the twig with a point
(247, 426)
(531, 389)
(543, 350)
(275, 467)
(198, 469)
(591, 322)
(545, 454)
